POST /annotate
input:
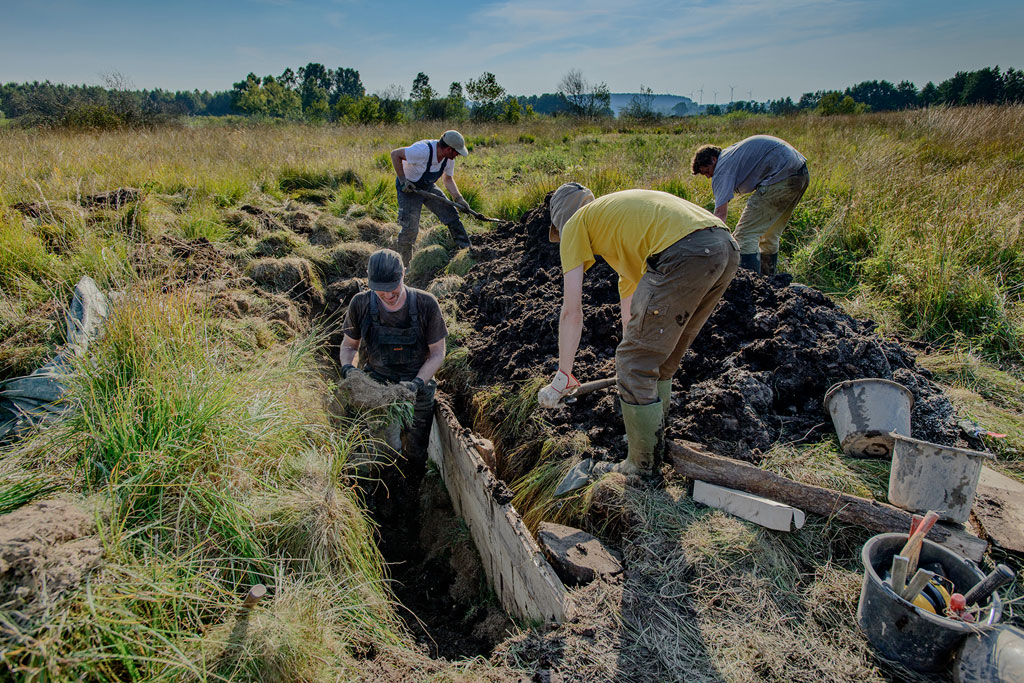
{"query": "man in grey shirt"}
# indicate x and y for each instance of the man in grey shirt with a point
(776, 174)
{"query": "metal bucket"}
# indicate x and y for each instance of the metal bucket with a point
(926, 476)
(907, 634)
(865, 412)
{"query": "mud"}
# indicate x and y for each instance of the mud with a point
(755, 376)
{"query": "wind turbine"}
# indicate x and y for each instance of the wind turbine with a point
(731, 88)
(701, 91)
(750, 95)
(716, 97)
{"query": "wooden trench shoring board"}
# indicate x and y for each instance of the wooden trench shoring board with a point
(522, 578)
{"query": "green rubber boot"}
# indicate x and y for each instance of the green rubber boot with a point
(751, 262)
(645, 437)
(665, 396)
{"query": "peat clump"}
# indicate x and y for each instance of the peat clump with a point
(756, 374)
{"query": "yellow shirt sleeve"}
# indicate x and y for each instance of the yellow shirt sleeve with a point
(575, 247)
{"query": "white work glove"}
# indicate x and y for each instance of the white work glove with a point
(461, 201)
(406, 184)
(550, 395)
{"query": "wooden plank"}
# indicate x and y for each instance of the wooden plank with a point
(524, 582)
(690, 460)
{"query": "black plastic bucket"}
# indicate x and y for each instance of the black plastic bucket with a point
(901, 632)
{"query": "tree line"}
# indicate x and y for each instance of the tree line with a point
(318, 94)
(984, 86)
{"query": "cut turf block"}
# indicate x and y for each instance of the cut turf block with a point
(578, 557)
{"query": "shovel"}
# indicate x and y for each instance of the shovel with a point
(582, 473)
(587, 388)
(459, 207)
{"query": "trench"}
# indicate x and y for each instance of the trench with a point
(460, 561)
(435, 571)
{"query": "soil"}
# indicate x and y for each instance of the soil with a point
(46, 549)
(756, 374)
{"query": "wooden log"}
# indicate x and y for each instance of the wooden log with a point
(691, 461)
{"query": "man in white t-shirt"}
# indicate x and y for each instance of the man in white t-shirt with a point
(418, 167)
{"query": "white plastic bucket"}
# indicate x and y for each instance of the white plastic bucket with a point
(926, 476)
(865, 412)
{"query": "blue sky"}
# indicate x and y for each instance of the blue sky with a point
(772, 49)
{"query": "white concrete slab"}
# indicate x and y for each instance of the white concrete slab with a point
(768, 513)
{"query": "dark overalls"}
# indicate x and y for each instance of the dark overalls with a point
(410, 206)
(396, 354)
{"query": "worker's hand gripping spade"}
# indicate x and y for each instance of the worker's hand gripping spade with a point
(562, 386)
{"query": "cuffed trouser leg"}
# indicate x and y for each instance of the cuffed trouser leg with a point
(766, 214)
(670, 305)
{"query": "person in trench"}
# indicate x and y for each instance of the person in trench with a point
(674, 260)
(417, 168)
(400, 335)
(777, 176)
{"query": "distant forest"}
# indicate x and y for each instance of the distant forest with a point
(318, 94)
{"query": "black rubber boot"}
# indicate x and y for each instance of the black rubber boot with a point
(751, 262)
(459, 234)
(768, 264)
(404, 250)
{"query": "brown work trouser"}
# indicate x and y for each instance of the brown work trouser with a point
(672, 302)
(767, 212)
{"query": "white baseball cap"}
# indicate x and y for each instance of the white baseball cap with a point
(454, 139)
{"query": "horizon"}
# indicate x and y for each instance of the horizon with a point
(676, 46)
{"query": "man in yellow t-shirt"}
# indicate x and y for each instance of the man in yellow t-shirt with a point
(674, 261)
